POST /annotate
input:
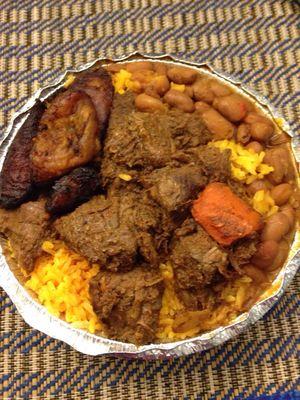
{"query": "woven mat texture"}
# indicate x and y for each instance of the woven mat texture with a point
(257, 41)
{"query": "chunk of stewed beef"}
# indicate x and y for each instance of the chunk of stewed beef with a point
(197, 260)
(26, 228)
(118, 230)
(128, 303)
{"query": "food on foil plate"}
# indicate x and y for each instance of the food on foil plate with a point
(148, 202)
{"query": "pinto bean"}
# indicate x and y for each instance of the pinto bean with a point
(146, 103)
(255, 146)
(143, 78)
(288, 210)
(281, 193)
(255, 186)
(159, 84)
(283, 251)
(139, 65)
(189, 91)
(150, 92)
(265, 253)
(278, 138)
(219, 89)
(233, 107)
(256, 274)
(261, 131)
(160, 68)
(253, 117)
(182, 75)
(243, 134)
(276, 227)
(115, 67)
(278, 158)
(180, 100)
(201, 106)
(202, 91)
(220, 127)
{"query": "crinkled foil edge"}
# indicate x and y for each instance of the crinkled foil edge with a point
(39, 318)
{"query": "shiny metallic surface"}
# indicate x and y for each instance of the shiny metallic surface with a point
(39, 318)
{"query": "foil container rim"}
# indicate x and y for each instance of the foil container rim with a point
(39, 318)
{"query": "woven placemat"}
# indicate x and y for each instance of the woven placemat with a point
(258, 41)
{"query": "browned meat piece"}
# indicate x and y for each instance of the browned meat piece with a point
(134, 140)
(175, 188)
(15, 179)
(26, 228)
(215, 163)
(139, 142)
(188, 129)
(128, 303)
(197, 260)
(117, 230)
(72, 190)
(68, 136)
(242, 251)
(98, 85)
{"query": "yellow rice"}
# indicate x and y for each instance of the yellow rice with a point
(176, 86)
(61, 277)
(263, 203)
(122, 82)
(246, 165)
(61, 282)
(231, 297)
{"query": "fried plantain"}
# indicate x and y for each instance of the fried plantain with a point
(68, 137)
(15, 179)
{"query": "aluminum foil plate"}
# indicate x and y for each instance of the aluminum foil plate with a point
(38, 317)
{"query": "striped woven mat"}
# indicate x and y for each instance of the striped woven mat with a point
(256, 40)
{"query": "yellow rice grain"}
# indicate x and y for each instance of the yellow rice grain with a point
(70, 79)
(176, 86)
(263, 203)
(246, 165)
(122, 82)
(231, 296)
(61, 282)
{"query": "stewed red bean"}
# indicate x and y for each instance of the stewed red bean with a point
(146, 103)
(142, 77)
(233, 107)
(180, 100)
(290, 213)
(255, 146)
(219, 89)
(279, 160)
(283, 251)
(220, 127)
(115, 67)
(160, 68)
(159, 84)
(189, 91)
(182, 75)
(255, 186)
(201, 106)
(256, 274)
(202, 91)
(243, 134)
(265, 254)
(139, 65)
(281, 193)
(261, 131)
(276, 227)
(253, 117)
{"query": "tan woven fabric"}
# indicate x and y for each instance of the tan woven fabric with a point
(258, 41)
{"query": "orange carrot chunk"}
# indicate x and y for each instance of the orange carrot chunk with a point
(224, 216)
